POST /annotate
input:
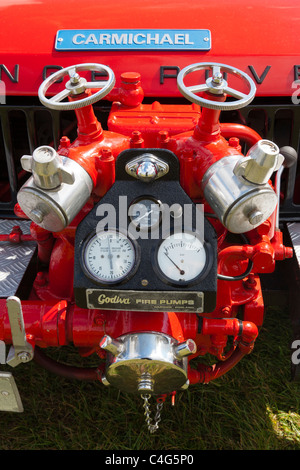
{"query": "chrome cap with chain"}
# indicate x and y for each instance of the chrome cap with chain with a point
(147, 362)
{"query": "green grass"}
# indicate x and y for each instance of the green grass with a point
(254, 406)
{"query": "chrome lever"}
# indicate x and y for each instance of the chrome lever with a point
(2, 353)
(21, 351)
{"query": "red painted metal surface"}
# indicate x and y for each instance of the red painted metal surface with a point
(267, 46)
(15, 236)
(152, 119)
(199, 140)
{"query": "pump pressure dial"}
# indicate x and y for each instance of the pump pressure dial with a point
(109, 257)
(181, 258)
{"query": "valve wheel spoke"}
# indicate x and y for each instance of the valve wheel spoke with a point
(197, 88)
(216, 69)
(60, 96)
(101, 84)
(235, 93)
(72, 72)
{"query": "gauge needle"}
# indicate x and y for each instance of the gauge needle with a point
(142, 216)
(180, 270)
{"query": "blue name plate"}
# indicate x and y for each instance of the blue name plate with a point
(133, 39)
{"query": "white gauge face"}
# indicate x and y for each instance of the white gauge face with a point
(145, 213)
(181, 257)
(109, 256)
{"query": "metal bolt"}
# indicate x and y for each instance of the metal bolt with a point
(226, 311)
(24, 356)
(217, 78)
(234, 142)
(37, 216)
(112, 345)
(255, 217)
(136, 140)
(65, 142)
(185, 349)
(186, 385)
(146, 171)
(105, 381)
(99, 319)
(75, 78)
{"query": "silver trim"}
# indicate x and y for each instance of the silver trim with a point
(294, 231)
(137, 167)
(217, 86)
(55, 209)
(148, 361)
(21, 350)
(10, 399)
(75, 86)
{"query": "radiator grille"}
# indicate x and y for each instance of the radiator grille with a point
(25, 127)
(22, 130)
(281, 124)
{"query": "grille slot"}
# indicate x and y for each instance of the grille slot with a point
(21, 132)
(280, 124)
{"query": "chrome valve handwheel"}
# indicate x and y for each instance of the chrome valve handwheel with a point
(75, 86)
(216, 84)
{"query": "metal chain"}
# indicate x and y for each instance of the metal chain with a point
(152, 427)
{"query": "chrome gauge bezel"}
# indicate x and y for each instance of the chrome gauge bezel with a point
(139, 200)
(109, 282)
(180, 283)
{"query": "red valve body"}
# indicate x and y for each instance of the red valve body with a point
(199, 140)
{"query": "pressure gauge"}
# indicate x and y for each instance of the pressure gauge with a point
(145, 213)
(181, 258)
(109, 257)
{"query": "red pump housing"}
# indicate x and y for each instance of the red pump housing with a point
(196, 137)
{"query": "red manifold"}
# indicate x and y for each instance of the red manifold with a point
(51, 317)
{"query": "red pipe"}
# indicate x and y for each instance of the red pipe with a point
(45, 241)
(88, 125)
(208, 128)
(59, 323)
(69, 372)
(247, 331)
(230, 327)
(239, 130)
(15, 236)
(205, 374)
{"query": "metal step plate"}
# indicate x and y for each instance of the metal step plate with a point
(294, 231)
(10, 399)
(14, 258)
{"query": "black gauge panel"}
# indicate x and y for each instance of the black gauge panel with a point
(141, 247)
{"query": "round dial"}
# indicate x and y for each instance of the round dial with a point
(181, 257)
(145, 213)
(109, 256)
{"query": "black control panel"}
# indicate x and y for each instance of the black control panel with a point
(146, 246)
